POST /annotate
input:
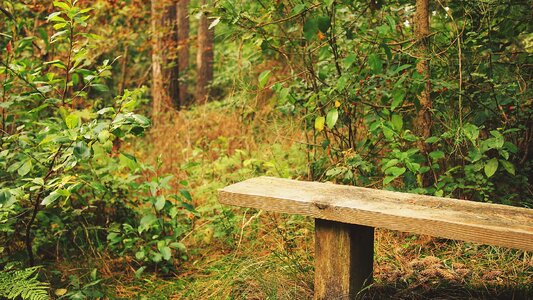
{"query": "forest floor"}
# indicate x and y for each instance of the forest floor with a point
(238, 253)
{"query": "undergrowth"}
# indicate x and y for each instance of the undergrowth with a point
(240, 253)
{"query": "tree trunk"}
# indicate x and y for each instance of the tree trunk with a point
(182, 15)
(164, 58)
(422, 33)
(423, 121)
(204, 58)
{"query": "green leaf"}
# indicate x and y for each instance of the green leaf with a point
(349, 60)
(64, 6)
(323, 23)
(141, 120)
(156, 257)
(140, 255)
(471, 132)
(508, 166)
(263, 78)
(166, 252)
(100, 87)
(72, 121)
(319, 123)
(395, 171)
(436, 155)
(310, 29)
(332, 117)
(375, 63)
(186, 194)
(160, 202)
(178, 246)
(139, 272)
(50, 198)
(81, 150)
(474, 154)
(146, 222)
(432, 139)
(397, 98)
(490, 167)
(397, 122)
(25, 168)
(388, 179)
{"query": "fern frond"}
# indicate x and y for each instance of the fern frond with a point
(23, 283)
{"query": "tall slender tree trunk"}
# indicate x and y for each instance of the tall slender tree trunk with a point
(422, 34)
(204, 58)
(164, 58)
(423, 121)
(182, 15)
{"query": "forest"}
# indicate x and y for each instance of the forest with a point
(121, 121)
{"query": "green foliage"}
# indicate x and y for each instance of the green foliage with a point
(65, 178)
(24, 284)
(351, 76)
(154, 239)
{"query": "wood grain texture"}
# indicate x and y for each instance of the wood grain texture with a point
(484, 223)
(344, 255)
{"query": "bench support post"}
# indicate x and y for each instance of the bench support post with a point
(344, 255)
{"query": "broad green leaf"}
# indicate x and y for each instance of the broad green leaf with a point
(397, 122)
(390, 163)
(146, 222)
(432, 139)
(436, 155)
(81, 150)
(332, 117)
(474, 154)
(471, 132)
(166, 252)
(178, 246)
(310, 29)
(140, 255)
(156, 257)
(25, 168)
(263, 78)
(323, 23)
(319, 123)
(160, 202)
(64, 6)
(298, 8)
(186, 194)
(103, 136)
(129, 161)
(50, 198)
(141, 120)
(375, 63)
(388, 179)
(508, 166)
(395, 171)
(349, 60)
(72, 121)
(397, 98)
(490, 167)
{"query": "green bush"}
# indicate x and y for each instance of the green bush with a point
(65, 179)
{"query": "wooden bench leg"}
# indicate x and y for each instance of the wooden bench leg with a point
(344, 256)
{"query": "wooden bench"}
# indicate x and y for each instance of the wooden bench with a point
(345, 218)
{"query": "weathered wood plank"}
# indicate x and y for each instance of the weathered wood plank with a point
(344, 255)
(441, 217)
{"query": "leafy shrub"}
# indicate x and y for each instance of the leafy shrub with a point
(64, 176)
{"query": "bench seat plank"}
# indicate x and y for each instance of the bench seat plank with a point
(484, 223)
